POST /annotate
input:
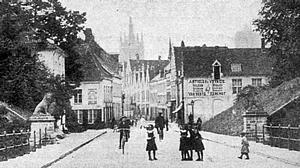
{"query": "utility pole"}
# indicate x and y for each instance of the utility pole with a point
(182, 81)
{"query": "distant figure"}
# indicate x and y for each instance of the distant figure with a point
(245, 146)
(142, 122)
(159, 123)
(43, 107)
(151, 145)
(113, 122)
(199, 123)
(124, 124)
(167, 124)
(191, 119)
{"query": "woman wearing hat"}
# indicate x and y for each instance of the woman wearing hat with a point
(245, 146)
(151, 145)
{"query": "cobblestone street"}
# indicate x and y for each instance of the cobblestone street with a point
(104, 152)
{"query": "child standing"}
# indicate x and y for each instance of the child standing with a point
(184, 142)
(197, 144)
(151, 145)
(245, 146)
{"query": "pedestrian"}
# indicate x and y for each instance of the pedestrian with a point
(142, 122)
(197, 143)
(167, 124)
(199, 123)
(245, 146)
(160, 124)
(183, 145)
(151, 145)
(113, 122)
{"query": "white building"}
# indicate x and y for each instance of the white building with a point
(98, 98)
(54, 59)
(213, 76)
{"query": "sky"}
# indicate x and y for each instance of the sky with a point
(196, 22)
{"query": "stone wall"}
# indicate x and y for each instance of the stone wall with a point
(253, 124)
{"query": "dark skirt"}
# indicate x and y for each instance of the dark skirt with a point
(198, 145)
(185, 144)
(151, 145)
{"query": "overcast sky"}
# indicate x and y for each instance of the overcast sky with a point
(197, 22)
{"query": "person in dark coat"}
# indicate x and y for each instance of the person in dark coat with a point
(124, 124)
(167, 124)
(184, 143)
(197, 144)
(151, 145)
(199, 123)
(159, 123)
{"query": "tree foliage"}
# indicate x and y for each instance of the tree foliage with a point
(23, 78)
(279, 24)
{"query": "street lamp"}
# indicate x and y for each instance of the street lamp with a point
(192, 103)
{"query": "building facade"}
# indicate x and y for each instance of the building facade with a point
(54, 59)
(136, 76)
(137, 89)
(98, 98)
(209, 78)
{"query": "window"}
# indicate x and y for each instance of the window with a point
(236, 67)
(79, 116)
(216, 70)
(236, 86)
(91, 118)
(78, 96)
(256, 82)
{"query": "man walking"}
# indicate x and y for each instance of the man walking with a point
(160, 124)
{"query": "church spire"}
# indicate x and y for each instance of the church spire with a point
(170, 49)
(131, 35)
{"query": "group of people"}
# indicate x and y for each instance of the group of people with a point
(190, 138)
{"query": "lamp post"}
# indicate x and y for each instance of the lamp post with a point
(192, 103)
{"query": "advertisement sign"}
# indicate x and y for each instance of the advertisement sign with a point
(205, 87)
(92, 96)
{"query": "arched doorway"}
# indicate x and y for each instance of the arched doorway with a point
(199, 110)
(217, 107)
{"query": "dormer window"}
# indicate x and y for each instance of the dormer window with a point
(236, 67)
(216, 70)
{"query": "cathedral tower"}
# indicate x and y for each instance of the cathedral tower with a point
(131, 46)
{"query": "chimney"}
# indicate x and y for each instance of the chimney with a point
(88, 34)
(137, 57)
(159, 57)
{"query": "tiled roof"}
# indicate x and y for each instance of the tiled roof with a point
(154, 66)
(275, 99)
(97, 63)
(198, 61)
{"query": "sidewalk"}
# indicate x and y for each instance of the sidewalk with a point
(49, 154)
(280, 154)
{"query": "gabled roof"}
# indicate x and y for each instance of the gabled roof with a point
(198, 61)
(277, 98)
(154, 66)
(97, 63)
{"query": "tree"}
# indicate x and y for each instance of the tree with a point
(279, 24)
(52, 21)
(24, 80)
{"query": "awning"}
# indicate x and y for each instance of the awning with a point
(177, 109)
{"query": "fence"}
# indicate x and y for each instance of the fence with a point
(18, 144)
(282, 136)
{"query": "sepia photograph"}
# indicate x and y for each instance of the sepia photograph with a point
(149, 83)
